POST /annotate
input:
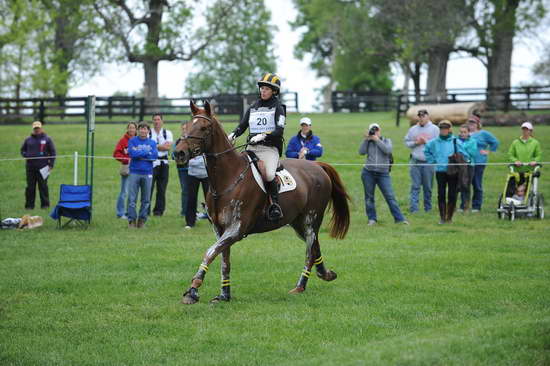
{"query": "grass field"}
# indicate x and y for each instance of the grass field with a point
(476, 292)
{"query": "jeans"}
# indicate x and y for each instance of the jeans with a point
(160, 181)
(121, 210)
(421, 176)
(477, 183)
(137, 182)
(383, 180)
(184, 184)
(465, 194)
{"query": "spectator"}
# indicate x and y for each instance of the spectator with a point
(470, 145)
(121, 154)
(438, 151)
(525, 150)
(182, 172)
(164, 140)
(39, 150)
(305, 145)
(142, 151)
(266, 120)
(197, 176)
(421, 173)
(486, 142)
(376, 172)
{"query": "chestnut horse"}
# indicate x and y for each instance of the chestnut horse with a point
(237, 204)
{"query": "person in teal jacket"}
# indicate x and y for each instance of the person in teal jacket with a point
(437, 151)
(470, 145)
(525, 149)
(486, 143)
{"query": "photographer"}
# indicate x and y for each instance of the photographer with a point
(377, 172)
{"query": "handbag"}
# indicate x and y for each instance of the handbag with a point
(453, 169)
(125, 170)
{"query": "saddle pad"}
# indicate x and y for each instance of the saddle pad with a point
(288, 183)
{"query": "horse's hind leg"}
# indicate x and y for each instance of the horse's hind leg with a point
(225, 294)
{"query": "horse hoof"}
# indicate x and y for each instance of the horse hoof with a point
(190, 297)
(220, 298)
(328, 276)
(297, 290)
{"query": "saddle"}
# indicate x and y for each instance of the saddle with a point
(285, 180)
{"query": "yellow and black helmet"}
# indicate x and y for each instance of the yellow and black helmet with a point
(271, 80)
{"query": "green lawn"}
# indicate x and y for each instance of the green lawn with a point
(476, 292)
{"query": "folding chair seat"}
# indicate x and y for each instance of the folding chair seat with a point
(75, 203)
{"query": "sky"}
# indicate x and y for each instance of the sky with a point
(296, 74)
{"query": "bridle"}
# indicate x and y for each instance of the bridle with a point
(202, 147)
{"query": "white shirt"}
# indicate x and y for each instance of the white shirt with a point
(160, 140)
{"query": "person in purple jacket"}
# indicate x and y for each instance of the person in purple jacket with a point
(305, 145)
(143, 152)
(39, 150)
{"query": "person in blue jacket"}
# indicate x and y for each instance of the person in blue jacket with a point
(305, 145)
(143, 152)
(486, 143)
(437, 151)
(470, 145)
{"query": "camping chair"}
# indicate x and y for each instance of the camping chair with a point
(75, 202)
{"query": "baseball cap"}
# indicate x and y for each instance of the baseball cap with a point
(374, 125)
(445, 124)
(306, 121)
(527, 125)
(422, 112)
(37, 124)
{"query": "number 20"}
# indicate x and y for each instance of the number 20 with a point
(261, 121)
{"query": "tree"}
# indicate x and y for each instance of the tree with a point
(236, 59)
(496, 23)
(332, 37)
(152, 31)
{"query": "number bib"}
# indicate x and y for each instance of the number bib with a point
(262, 121)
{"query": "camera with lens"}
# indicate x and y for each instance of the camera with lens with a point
(373, 130)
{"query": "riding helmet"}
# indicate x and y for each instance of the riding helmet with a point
(272, 81)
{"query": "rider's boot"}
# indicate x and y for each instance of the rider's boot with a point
(274, 211)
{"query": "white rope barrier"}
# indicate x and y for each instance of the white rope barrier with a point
(75, 156)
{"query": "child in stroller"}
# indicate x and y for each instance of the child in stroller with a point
(521, 197)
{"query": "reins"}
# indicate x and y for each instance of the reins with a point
(203, 139)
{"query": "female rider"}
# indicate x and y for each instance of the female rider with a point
(266, 120)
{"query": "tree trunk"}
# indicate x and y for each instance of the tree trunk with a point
(407, 78)
(416, 80)
(437, 73)
(499, 60)
(150, 87)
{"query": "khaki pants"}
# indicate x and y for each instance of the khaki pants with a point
(270, 156)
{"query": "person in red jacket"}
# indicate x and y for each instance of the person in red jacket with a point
(121, 154)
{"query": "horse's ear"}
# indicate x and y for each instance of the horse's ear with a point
(207, 107)
(194, 108)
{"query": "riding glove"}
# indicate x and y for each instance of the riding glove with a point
(231, 137)
(257, 138)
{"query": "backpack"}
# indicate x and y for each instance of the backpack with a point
(163, 133)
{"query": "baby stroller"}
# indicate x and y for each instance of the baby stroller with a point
(530, 204)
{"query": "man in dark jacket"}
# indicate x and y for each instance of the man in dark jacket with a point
(39, 150)
(305, 145)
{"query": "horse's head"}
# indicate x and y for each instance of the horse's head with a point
(197, 139)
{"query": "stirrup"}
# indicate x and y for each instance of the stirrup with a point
(274, 212)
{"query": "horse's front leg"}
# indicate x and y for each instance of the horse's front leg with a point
(225, 294)
(191, 296)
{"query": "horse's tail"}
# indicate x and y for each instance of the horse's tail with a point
(339, 222)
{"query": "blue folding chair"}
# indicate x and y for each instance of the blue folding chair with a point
(75, 202)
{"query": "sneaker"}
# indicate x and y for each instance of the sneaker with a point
(371, 222)
(202, 216)
(459, 210)
(124, 217)
(404, 222)
(187, 227)
(475, 210)
(441, 222)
